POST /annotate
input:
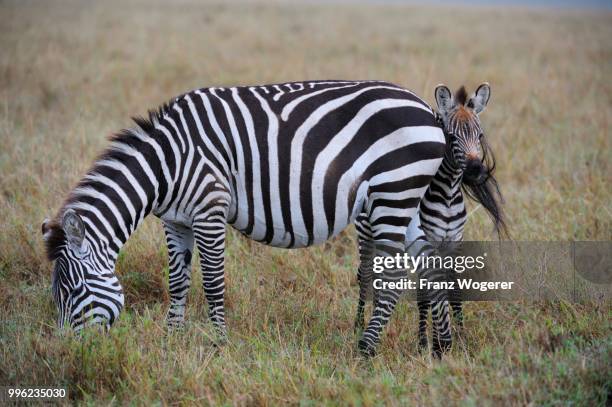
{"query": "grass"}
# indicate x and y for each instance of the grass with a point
(73, 73)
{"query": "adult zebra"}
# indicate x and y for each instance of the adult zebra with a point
(468, 165)
(289, 165)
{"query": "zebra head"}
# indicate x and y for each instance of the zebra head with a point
(84, 286)
(462, 127)
(467, 149)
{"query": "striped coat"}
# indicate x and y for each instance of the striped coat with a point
(289, 165)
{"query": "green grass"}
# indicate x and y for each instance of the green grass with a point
(72, 74)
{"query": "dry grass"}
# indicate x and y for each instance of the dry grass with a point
(73, 73)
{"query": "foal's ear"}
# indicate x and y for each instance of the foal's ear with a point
(479, 101)
(73, 227)
(444, 99)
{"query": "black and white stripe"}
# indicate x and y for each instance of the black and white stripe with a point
(289, 165)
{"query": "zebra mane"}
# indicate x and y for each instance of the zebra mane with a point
(54, 235)
(146, 124)
(154, 117)
(461, 95)
(485, 190)
(55, 239)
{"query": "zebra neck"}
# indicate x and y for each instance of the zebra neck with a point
(125, 185)
(449, 176)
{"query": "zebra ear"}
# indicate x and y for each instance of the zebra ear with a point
(73, 227)
(479, 101)
(444, 99)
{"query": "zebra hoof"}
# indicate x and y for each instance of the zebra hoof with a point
(221, 340)
(423, 345)
(176, 326)
(219, 337)
(440, 348)
(366, 349)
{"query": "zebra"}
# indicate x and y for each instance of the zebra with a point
(289, 165)
(468, 165)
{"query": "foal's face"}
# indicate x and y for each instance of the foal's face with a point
(460, 116)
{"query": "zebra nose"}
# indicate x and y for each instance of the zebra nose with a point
(473, 163)
(473, 169)
(472, 156)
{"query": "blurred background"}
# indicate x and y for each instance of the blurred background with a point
(74, 72)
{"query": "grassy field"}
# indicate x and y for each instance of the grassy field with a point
(72, 74)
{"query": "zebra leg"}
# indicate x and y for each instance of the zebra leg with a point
(442, 341)
(364, 271)
(180, 247)
(455, 299)
(210, 240)
(387, 231)
(385, 301)
(423, 316)
(437, 300)
(415, 234)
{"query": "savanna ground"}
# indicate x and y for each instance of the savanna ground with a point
(73, 73)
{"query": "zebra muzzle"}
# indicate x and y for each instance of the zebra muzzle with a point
(475, 172)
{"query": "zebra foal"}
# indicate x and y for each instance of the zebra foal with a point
(468, 165)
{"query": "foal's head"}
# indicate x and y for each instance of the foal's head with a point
(468, 149)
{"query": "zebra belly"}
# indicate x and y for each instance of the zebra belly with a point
(321, 230)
